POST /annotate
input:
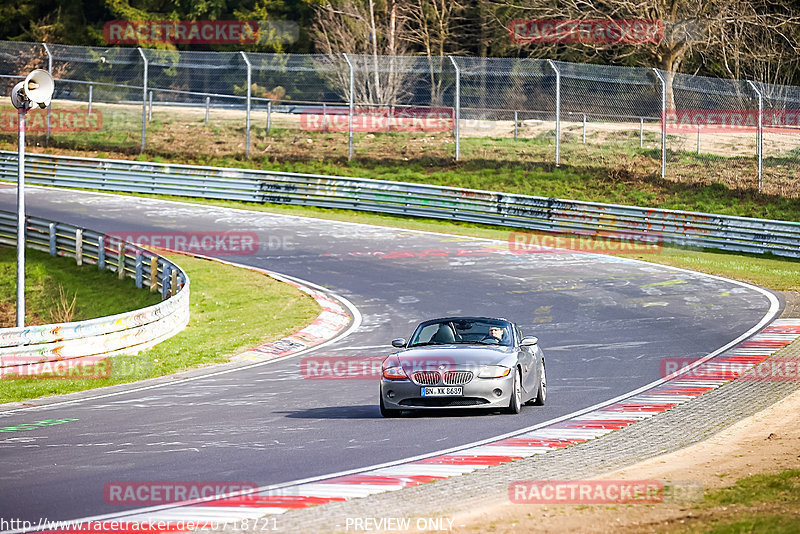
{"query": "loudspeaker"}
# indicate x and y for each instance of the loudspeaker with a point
(36, 89)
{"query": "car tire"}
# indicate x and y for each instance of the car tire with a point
(541, 391)
(387, 412)
(515, 402)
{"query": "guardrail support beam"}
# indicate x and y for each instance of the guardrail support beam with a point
(79, 246)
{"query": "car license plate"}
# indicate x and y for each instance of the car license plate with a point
(442, 391)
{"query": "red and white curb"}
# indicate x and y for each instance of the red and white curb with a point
(667, 393)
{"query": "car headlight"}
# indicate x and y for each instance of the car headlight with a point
(394, 373)
(493, 371)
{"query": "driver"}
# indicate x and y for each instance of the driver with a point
(496, 332)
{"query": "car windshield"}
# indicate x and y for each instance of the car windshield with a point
(462, 331)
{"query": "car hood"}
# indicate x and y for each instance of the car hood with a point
(454, 356)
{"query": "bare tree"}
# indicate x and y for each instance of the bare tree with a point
(435, 28)
(369, 29)
(734, 30)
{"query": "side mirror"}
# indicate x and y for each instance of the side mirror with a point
(399, 343)
(529, 341)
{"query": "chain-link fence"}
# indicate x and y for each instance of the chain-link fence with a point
(209, 104)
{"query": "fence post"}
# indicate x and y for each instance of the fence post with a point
(269, 115)
(457, 106)
(324, 116)
(584, 128)
(90, 97)
(641, 132)
(663, 122)
(558, 110)
(759, 135)
(144, 99)
(149, 106)
(52, 233)
(350, 116)
(208, 108)
(698, 139)
(79, 246)
(49, 106)
(516, 123)
(247, 121)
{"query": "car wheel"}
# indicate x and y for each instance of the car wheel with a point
(515, 403)
(387, 412)
(541, 393)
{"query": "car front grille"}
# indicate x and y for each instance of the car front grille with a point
(443, 402)
(426, 378)
(456, 378)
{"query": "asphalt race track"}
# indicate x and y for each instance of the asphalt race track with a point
(605, 324)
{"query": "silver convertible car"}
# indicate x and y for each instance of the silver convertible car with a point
(463, 362)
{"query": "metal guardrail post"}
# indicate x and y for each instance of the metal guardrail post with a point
(121, 260)
(165, 277)
(558, 110)
(101, 253)
(457, 106)
(79, 246)
(139, 268)
(49, 106)
(153, 274)
(351, 99)
(759, 134)
(51, 231)
(663, 122)
(144, 99)
(249, 95)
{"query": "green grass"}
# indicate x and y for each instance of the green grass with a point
(53, 282)
(232, 309)
(765, 503)
(610, 169)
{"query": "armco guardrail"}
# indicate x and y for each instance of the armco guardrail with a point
(705, 230)
(24, 348)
